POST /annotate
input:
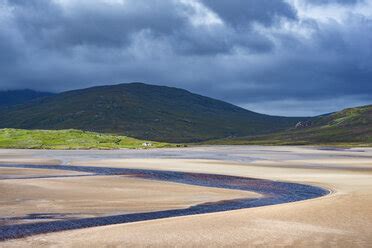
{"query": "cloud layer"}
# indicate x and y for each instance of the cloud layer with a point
(294, 57)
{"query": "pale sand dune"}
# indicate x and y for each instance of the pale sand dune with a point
(342, 219)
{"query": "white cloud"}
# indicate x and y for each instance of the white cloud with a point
(199, 15)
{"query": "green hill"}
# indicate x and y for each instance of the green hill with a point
(67, 139)
(142, 111)
(349, 127)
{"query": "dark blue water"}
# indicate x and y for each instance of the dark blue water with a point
(274, 193)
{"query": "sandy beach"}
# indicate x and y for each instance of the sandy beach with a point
(341, 219)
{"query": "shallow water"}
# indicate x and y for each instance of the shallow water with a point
(273, 192)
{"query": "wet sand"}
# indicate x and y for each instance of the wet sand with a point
(78, 195)
(19, 173)
(342, 219)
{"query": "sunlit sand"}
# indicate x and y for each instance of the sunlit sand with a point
(342, 219)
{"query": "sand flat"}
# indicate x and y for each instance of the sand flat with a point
(13, 173)
(342, 219)
(48, 199)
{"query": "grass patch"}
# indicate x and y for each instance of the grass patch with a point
(69, 140)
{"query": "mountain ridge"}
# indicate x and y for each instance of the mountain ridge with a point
(144, 111)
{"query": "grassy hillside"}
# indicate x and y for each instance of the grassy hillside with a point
(14, 97)
(66, 139)
(350, 127)
(142, 111)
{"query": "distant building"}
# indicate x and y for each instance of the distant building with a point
(147, 144)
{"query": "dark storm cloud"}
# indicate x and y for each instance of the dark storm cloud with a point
(98, 24)
(244, 12)
(256, 53)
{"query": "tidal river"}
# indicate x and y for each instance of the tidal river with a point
(273, 192)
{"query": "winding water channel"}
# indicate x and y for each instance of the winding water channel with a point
(273, 192)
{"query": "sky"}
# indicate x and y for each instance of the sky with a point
(279, 57)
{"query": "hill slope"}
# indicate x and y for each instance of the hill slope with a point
(350, 127)
(14, 97)
(142, 111)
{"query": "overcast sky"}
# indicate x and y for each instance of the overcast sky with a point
(294, 57)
